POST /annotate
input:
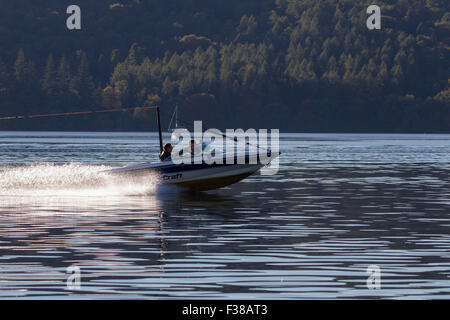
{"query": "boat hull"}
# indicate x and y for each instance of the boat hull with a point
(197, 176)
(210, 178)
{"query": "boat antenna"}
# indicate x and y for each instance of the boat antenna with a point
(174, 115)
(159, 130)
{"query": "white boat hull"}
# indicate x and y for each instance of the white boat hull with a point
(211, 178)
(200, 176)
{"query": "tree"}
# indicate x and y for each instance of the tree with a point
(134, 55)
(4, 75)
(24, 71)
(82, 84)
(49, 79)
(63, 75)
(168, 87)
(382, 77)
(331, 76)
(247, 28)
(110, 97)
(397, 75)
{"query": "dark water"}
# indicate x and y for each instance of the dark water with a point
(339, 204)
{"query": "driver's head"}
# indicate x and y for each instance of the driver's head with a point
(168, 147)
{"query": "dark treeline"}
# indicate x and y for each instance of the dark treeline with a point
(297, 65)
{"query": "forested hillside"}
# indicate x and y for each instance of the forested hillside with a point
(297, 65)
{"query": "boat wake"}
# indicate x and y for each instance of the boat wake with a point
(72, 179)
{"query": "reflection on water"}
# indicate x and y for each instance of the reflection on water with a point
(338, 204)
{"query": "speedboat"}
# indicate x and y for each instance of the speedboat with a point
(199, 175)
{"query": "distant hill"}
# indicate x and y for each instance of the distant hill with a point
(297, 65)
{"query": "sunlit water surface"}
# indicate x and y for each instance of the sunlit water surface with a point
(339, 204)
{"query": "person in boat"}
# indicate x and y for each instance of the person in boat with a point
(166, 155)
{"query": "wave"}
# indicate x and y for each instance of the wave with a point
(72, 179)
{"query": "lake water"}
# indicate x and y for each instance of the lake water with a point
(339, 204)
